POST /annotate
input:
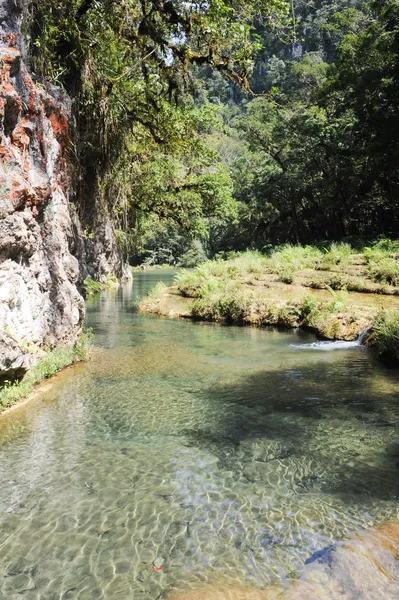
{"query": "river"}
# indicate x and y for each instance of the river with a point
(190, 453)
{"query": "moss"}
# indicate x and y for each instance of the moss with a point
(53, 362)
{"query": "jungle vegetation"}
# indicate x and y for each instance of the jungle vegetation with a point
(208, 127)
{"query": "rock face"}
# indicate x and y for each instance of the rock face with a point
(40, 241)
(14, 362)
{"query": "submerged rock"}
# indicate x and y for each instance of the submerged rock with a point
(364, 566)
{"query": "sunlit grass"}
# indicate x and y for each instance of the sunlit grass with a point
(233, 290)
(50, 364)
(294, 258)
(384, 269)
(385, 335)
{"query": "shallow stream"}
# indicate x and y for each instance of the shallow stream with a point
(190, 453)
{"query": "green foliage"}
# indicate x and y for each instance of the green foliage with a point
(49, 365)
(384, 246)
(286, 274)
(193, 256)
(293, 258)
(385, 336)
(188, 283)
(141, 145)
(385, 270)
(163, 137)
(219, 300)
(318, 155)
(383, 261)
(157, 290)
(338, 255)
(92, 287)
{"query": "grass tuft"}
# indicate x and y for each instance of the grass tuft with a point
(92, 287)
(384, 269)
(385, 336)
(53, 362)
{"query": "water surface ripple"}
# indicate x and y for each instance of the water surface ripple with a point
(188, 453)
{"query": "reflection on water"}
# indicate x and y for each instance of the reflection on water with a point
(186, 454)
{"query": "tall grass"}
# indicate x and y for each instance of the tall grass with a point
(157, 290)
(225, 290)
(189, 283)
(239, 266)
(294, 258)
(337, 255)
(385, 336)
(220, 300)
(50, 364)
(384, 269)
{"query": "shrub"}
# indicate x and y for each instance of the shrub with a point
(385, 336)
(338, 254)
(286, 275)
(334, 282)
(385, 245)
(307, 306)
(220, 300)
(384, 269)
(294, 258)
(188, 283)
(194, 255)
(157, 290)
(92, 287)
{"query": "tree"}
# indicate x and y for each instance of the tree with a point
(128, 66)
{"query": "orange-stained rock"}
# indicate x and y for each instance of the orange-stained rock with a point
(363, 567)
(41, 304)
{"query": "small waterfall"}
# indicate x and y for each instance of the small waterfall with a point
(327, 346)
(362, 336)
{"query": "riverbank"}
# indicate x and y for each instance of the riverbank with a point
(18, 393)
(295, 288)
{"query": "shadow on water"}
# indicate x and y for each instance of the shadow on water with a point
(337, 417)
(219, 453)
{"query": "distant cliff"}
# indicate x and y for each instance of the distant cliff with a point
(43, 256)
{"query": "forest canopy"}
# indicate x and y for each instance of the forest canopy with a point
(206, 127)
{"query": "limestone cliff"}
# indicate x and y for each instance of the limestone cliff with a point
(40, 241)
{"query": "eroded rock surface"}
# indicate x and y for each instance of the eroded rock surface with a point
(44, 256)
(39, 301)
(14, 361)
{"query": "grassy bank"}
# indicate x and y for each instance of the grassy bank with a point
(252, 288)
(51, 363)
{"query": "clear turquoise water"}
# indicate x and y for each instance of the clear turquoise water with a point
(221, 454)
